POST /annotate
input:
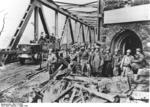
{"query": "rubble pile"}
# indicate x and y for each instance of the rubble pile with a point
(79, 89)
(68, 87)
(141, 91)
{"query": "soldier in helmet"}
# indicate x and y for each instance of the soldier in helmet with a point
(126, 67)
(116, 63)
(91, 60)
(126, 63)
(84, 61)
(51, 62)
(107, 64)
(73, 60)
(139, 60)
(97, 61)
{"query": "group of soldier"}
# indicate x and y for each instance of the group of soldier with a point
(97, 61)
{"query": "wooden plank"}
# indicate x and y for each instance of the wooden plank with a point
(98, 94)
(63, 93)
(72, 96)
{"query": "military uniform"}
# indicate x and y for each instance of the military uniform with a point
(84, 62)
(126, 65)
(107, 66)
(138, 62)
(91, 62)
(96, 62)
(52, 59)
(73, 62)
(116, 64)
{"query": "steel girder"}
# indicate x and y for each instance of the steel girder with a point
(100, 20)
(65, 12)
(36, 5)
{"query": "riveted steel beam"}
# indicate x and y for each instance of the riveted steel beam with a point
(56, 23)
(65, 12)
(100, 21)
(71, 30)
(45, 26)
(36, 23)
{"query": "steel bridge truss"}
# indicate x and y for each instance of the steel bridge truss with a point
(86, 29)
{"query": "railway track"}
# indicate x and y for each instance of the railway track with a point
(12, 74)
(30, 78)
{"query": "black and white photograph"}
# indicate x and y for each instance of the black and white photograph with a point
(74, 51)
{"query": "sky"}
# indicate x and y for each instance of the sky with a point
(15, 10)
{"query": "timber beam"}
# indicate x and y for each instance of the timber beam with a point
(65, 12)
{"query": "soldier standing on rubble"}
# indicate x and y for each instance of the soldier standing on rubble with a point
(97, 60)
(139, 60)
(81, 50)
(107, 66)
(116, 63)
(126, 67)
(52, 59)
(84, 60)
(91, 60)
(41, 42)
(126, 63)
(73, 59)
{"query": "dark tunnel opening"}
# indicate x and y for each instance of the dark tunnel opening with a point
(124, 40)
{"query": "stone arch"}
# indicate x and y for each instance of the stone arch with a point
(125, 39)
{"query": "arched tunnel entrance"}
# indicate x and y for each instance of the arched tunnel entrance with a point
(124, 40)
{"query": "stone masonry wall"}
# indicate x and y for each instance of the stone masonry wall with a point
(141, 29)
